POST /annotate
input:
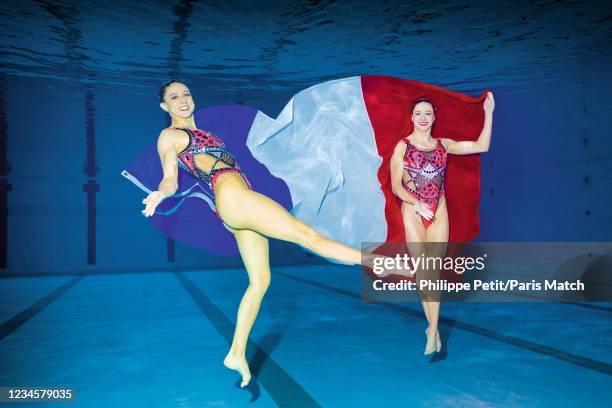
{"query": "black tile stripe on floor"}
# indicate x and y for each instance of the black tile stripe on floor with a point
(16, 321)
(283, 389)
(566, 356)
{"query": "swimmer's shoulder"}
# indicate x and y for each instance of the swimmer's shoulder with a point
(401, 146)
(176, 138)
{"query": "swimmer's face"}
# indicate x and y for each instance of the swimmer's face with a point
(178, 101)
(423, 116)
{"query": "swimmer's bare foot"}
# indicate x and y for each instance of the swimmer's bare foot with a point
(369, 260)
(438, 342)
(397, 272)
(430, 347)
(239, 364)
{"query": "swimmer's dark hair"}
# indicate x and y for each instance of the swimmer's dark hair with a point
(165, 85)
(419, 100)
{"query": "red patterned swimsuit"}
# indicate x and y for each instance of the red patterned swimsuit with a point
(427, 169)
(205, 143)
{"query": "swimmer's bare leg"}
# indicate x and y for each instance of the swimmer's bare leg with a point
(255, 255)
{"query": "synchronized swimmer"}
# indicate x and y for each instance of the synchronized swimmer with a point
(418, 170)
(251, 217)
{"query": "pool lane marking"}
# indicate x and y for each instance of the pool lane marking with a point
(566, 356)
(283, 389)
(588, 306)
(18, 320)
(98, 272)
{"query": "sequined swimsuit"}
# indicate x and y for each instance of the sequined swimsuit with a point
(205, 143)
(427, 169)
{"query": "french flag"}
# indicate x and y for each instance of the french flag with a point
(325, 157)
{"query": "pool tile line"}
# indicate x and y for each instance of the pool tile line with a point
(558, 354)
(283, 388)
(18, 320)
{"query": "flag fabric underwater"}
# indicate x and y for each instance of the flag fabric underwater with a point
(326, 158)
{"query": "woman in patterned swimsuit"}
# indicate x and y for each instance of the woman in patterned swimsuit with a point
(250, 216)
(418, 167)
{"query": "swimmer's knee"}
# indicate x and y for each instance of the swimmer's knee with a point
(437, 249)
(260, 281)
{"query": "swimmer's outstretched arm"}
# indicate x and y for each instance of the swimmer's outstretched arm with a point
(484, 140)
(169, 162)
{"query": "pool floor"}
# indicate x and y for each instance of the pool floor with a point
(158, 340)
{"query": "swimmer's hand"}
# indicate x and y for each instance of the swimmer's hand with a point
(152, 201)
(489, 103)
(423, 210)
